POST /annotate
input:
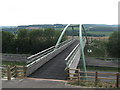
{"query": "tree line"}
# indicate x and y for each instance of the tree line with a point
(109, 48)
(33, 41)
(29, 41)
(113, 45)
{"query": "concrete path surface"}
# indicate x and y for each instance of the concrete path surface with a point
(35, 83)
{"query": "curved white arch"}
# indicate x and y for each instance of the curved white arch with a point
(61, 36)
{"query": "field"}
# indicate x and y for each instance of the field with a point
(100, 32)
(106, 33)
(98, 38)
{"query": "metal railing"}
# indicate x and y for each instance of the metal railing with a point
(36, 57)
(70, 57)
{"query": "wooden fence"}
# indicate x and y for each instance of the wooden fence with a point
(92, 75)
(13, 72)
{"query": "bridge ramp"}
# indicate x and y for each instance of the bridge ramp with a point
(54, 69)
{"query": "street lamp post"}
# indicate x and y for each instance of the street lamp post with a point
(73, 32)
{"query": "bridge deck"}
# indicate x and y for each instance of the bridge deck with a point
(54, 69)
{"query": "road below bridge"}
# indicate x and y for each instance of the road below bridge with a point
(54, 69)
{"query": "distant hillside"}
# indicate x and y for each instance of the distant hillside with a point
(13, 30)
(101, 27)
(88, 27)
(31, 27)
(42, 26)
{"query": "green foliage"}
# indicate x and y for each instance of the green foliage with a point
(7, 41)
(110, 69)
(100, 33)
(99, 48)
(13, 63)
(91, 83)
(114, 45)
(110, 48)
(22, 41)
(29, 42)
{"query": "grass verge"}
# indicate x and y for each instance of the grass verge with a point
(92, 84)
(13, 63)
(109, 69)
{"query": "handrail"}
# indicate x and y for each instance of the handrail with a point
(39, 56)
(40, 52)
(45, 50)
(71, 53)
(70, 57)
(36, 57)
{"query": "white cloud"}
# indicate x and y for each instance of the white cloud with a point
(24, 12)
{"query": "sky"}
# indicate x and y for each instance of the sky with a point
(27, 12)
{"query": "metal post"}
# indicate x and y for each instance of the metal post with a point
(73, 32)
(58, 42)
(82, 49)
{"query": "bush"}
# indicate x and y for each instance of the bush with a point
(113, 46)
(29, 42)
